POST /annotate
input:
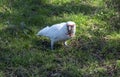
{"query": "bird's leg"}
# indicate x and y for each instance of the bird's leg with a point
(52, 44)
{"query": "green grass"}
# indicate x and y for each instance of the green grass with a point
(94, 52)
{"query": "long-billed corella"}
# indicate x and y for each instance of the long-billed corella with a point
(59, 32)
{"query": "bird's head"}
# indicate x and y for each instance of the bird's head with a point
(71, 27)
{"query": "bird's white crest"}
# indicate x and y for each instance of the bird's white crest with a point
(71, 23)
(58, 32)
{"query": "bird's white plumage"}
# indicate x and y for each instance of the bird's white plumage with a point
(57, 32)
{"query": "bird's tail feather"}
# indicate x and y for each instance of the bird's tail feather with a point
(43, 32)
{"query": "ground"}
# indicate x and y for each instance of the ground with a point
(94, 52)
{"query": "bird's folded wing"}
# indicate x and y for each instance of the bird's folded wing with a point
(52, 31)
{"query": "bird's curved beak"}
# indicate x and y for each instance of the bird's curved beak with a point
(70, 29)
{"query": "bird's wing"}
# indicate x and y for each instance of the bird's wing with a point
(54, 30)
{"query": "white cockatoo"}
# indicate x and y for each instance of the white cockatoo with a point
(59, 32)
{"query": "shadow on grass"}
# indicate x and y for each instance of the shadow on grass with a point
(100, 47)
(44, 44)
(36, 13)
(114, 19)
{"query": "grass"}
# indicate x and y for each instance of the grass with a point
(94, 51)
